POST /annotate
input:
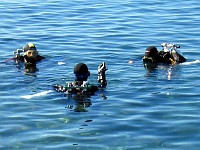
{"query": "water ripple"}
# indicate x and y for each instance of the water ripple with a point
(139, 109)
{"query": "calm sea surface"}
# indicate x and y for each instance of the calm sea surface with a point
(139, 109)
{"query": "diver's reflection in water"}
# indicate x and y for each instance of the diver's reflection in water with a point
(80, 102)
(152, 71)
(169, 71)
(173, 72)
(30, 69)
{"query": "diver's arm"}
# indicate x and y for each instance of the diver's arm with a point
(19, 58)
(102, 75)
(39, 58)
(59, 88)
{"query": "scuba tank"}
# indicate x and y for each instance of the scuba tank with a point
(175, 55)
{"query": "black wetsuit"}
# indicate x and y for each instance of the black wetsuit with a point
(77, 87)
(162, 57)
(29, 60)
(165, 57)
(170, 58)
(80, 85)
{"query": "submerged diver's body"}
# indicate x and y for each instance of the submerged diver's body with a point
(153, 57)
(80, 85)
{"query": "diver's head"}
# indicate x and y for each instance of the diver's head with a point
(150, 57)
(81, 72)
(30, 51)
(151, 51)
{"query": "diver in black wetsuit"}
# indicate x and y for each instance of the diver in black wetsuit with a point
(29, 58)
(80, 90)
(168, 55)
(80, 85)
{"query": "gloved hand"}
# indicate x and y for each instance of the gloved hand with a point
(102, 68)
(101, 74)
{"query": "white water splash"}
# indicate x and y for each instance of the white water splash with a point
(192, 62)
(36, 95)
(61, 63)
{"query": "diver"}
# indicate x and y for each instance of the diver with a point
(28, 59)
(151, 57)
(168, 55)
(80, 85)
(80, 90)
(30, 56)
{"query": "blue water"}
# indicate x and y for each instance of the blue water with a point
(139, 109)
